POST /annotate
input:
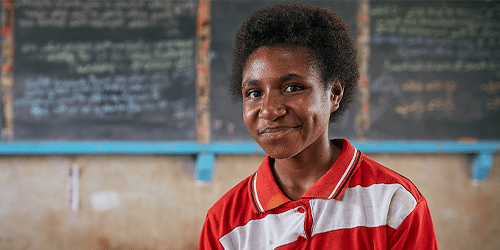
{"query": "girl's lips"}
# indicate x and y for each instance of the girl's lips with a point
(278, 131)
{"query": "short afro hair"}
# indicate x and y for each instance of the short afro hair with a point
(321, 30)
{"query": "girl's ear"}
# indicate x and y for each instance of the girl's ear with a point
(337, 91)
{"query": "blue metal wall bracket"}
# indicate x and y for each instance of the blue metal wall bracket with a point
(481, 165)
(205, 163)
(206, 152)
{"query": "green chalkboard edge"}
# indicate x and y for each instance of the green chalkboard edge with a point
(483, 151)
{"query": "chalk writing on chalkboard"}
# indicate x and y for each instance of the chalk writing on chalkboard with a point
(105, 70)
(439, 104)
(434, 68)
(98, 96)
(103, 14)
(110, 57)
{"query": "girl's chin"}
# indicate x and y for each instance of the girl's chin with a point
(280, 152)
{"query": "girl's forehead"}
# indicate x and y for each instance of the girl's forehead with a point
(281, 58)
(267, 59)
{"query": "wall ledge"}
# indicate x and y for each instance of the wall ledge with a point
(483, 151)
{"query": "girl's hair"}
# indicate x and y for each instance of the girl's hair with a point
(319, 29)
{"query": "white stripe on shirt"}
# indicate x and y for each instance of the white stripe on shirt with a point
(373, 206)
(270, 232)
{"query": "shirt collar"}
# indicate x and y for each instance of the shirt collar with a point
(266, 194)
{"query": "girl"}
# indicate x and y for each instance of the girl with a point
(295, 71)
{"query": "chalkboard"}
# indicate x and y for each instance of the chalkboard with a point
(435, 70)
(125, 70)
(227, 16)
(105, 70)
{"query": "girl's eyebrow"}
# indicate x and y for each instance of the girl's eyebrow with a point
(248, 83)
(287, 77)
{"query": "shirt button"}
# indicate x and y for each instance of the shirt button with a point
(301, 238)
(300, 209)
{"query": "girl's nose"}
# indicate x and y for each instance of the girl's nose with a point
(272, 107)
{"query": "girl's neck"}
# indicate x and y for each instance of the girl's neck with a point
(297, 174)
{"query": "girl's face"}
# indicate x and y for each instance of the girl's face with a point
(285, 105)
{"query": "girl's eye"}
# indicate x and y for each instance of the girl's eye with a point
(252, 94)
(293, 88)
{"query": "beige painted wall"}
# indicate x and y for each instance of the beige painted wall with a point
(153, 202)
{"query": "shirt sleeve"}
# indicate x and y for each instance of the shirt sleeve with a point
(415, 232)
(209, 238)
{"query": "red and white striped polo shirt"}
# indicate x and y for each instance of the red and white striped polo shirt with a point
(357, 204)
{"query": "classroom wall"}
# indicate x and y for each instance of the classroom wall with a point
(153, 201)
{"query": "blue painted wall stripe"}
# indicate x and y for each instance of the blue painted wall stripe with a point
(206, 151)
(180, 147)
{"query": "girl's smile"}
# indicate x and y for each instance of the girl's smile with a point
(276, 132)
